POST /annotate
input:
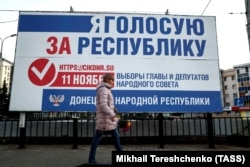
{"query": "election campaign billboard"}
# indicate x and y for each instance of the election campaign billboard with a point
(161, 63)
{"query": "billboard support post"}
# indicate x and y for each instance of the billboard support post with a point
(22, 127)
(210, 130)
(160, 118)
(75, 130)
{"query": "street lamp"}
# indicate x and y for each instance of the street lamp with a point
(1, 56)
(2, 41)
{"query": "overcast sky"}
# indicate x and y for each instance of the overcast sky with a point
(231, 28)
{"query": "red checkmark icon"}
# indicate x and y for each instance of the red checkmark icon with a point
(41, 72)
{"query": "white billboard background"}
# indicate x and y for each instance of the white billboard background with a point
(31, 46)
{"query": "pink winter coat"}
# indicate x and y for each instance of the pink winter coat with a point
(104, 108)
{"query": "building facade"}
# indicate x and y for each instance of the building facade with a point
(243, 79)
(243, 84)
(6, 73)
(229, 87)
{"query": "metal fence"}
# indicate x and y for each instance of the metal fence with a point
(81, 130)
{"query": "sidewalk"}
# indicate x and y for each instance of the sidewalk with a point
(65, 156)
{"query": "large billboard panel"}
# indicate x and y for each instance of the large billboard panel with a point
(161, 63)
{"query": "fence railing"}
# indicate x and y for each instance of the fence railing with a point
(66, 130)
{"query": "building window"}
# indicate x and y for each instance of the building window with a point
(226, 87)
(235, 95)
(225, 78)
(233, 77)
(234, 86)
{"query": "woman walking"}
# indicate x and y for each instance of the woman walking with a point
(106, 120)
